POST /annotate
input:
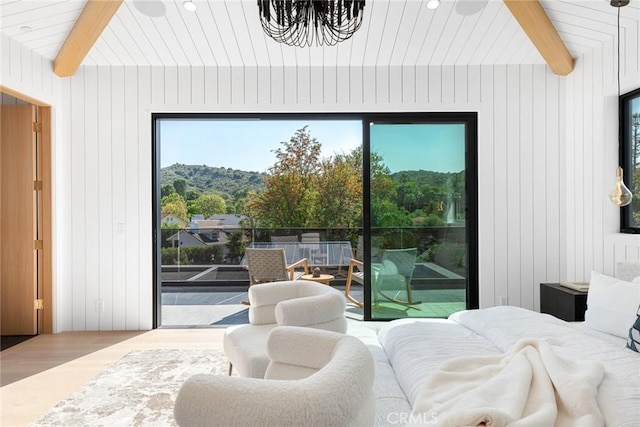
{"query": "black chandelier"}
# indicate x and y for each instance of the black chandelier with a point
(305, 22)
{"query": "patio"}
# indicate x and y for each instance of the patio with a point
(209, 295)
(215, 306)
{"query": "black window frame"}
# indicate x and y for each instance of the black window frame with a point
(625, 159)
(471, 180)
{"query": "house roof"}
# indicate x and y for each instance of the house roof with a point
(394, 33)
(227, 220)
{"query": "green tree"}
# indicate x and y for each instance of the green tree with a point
(174, 204)
(191, 195)
(236, 245)
(177, 209)
(209, 204)
(166, 190)
(181, 187)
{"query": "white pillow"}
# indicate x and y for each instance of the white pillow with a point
(611, 304)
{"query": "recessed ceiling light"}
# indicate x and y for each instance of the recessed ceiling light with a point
(151, 8)
(190, 6)
(433, 4)
(470, 7)
(25, 28)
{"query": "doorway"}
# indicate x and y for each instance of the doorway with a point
(25, 216)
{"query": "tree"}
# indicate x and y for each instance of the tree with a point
(236, 246)
(181, 187)
(339, 192)
(191, 195)
(289, 195)
(209, 204)
(300, 155)
(174, 204)
(166, 190)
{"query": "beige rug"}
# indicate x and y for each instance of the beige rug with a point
(138, 390)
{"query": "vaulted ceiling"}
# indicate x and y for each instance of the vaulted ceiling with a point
(393, 33)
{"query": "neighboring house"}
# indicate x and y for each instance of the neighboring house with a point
(185, 239)
(216, 228)
(203, 223)
(171, 221)
(228, 221)
(198, 237)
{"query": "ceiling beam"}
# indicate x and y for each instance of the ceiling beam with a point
(536, 24)
(93, 19)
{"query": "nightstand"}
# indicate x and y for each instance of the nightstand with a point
(563, 303)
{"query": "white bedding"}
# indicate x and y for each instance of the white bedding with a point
(417, 347)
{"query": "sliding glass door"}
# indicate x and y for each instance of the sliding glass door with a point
(421, 204)
(403, 185)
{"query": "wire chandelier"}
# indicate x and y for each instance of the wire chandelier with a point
(306, 22)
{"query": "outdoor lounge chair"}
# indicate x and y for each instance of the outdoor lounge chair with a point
(392, 276)
(270, 265)
(355, 272)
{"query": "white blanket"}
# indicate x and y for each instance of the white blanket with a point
(529, 386)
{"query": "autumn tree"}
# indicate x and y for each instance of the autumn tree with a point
(289, 195)
(338, 195)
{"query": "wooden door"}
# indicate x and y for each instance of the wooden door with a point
(18, 221)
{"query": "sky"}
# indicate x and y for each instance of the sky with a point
(432, 147)
(248, 144)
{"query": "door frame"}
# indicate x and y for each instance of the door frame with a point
(45, 287)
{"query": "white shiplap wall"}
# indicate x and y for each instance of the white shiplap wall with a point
(544, 159)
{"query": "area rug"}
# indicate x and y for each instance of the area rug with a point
(138, 390)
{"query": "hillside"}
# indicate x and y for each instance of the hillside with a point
(422, 177)
(202, 178)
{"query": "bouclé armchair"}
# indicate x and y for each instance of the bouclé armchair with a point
(288, 303)
(314, 378)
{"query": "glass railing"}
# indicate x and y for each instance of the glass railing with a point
(214, 256)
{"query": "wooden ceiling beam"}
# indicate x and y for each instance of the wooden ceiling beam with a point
(536, 24)
(93, 19)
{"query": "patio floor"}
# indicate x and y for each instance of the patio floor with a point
(211, 307)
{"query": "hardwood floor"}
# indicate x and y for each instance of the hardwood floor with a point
(39, 373)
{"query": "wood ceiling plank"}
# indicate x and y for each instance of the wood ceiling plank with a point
(93, 19)
(536, 24)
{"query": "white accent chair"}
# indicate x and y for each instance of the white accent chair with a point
(287, 303)
(314, 378)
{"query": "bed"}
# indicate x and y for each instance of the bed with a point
(595, 376)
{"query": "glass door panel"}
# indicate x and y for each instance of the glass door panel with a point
(418, 205)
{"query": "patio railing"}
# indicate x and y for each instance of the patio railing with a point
(213, 256)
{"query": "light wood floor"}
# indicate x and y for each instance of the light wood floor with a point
(39, 373)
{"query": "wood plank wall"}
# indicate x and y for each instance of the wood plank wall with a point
(547, 157)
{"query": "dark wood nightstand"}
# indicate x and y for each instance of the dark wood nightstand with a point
(563, 303)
